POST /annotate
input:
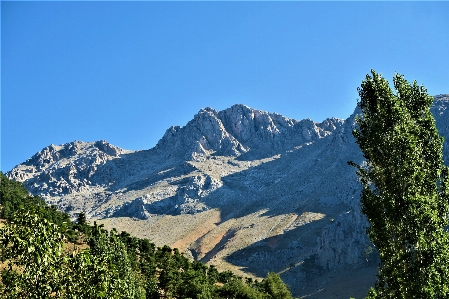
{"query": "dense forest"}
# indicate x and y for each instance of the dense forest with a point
(46, 255)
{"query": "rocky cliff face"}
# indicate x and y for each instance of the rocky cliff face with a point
(240, 188)
(239, 130)
(64, 169)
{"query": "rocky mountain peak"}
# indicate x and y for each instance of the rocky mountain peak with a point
(240, 130)
(65, 168)
(208, 110)
(441, 97)
(239, 187)
(52, 153)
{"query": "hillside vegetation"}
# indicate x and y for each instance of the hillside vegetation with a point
(45, 255)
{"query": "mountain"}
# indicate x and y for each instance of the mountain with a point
(244, 189)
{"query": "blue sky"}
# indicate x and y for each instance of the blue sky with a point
(127, 71)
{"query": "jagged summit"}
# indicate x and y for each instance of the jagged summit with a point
(444, 97)
(239, 130)
(66, 168)
(207, 109)
(58, 152)
(61, 154)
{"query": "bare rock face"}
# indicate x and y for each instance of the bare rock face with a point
(239, 130)
(439, 111)
(240, 188)
(190, 195)
(67, 168)
(136, 208)
(202, 136)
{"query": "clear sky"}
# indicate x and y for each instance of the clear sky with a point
(127, 71)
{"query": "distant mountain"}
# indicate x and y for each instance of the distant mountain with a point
(241, 188)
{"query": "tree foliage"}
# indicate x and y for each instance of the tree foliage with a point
(33, 248)
(115, 265)
(15, 198)
(405, 188)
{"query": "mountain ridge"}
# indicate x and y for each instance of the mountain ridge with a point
(242, 188)
(237, 130)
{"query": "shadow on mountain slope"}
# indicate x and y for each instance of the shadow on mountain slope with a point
(137, 170)
(281, 252)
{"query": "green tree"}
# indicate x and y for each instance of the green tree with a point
(113, 273)
(33, 248)
(114, 266)
(274, 286)
(235, 288)
(405, 188)
(14, 198)
(147, 268)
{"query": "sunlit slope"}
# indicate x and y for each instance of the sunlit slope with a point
(245, 189)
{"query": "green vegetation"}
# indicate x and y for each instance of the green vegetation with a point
(38, 264)
(14, 198)
(405, 189)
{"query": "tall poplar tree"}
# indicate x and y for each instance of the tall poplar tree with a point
(405, 193)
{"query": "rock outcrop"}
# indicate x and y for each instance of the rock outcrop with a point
(64, 169)
(239, 130)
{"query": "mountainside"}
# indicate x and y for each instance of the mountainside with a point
(241, 188)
